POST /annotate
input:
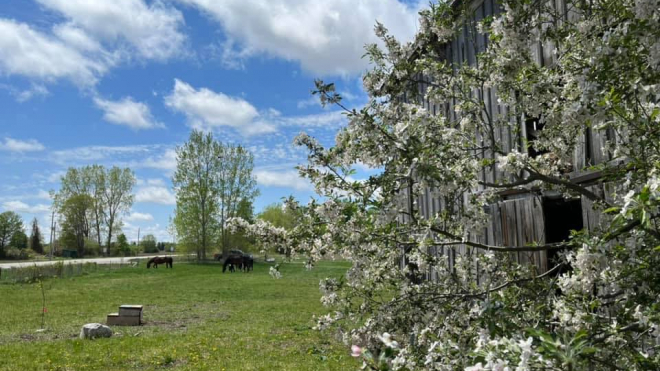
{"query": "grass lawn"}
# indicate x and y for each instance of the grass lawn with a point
(197, 319)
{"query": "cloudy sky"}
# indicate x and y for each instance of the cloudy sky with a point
(122, 82)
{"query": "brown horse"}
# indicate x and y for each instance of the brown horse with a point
(158, 260)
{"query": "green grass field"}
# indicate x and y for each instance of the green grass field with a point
(197, 319)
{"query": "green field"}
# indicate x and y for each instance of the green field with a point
(197, 319)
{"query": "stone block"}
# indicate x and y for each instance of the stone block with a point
(130, 311)
(114, 319)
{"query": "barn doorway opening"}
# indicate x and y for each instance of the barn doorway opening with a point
(561, 217)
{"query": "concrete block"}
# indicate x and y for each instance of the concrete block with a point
(114, 319)
(130, 311)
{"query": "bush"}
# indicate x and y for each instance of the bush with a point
(92, 248)
(13, 253)
(149, 244)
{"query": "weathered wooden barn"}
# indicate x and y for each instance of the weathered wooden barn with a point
(521, 217)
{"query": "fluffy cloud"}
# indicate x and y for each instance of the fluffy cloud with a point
(139, 217)
(156, 195)
(206, 110)
(27, 52)
(127, 112)
(95, 36)
(22, 207)
(285, 179)
(15, 145)
(165, 161)
(327, 37)
(150, 30)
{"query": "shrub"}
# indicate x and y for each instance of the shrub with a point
(13, 253)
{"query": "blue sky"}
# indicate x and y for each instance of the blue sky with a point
(123, 82)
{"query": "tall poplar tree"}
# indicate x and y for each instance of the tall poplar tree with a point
(210, 181)
(237, 186)
(197, 189)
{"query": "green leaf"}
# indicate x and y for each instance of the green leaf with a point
(612, 210)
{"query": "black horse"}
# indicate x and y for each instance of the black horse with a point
(244, 263)
(158, 260)
(233, 262)
(248, 264)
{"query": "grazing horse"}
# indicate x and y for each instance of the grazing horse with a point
(248, 264)
(158, 260)
(233, 261)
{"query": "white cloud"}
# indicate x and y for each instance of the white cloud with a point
(36, 90)
(128, 112)
(166, 161)
(156, 195)
(229, 55)
(326, 37)
(152, 182)
(139, 217)
(312, 101)
(329, 120)
(22, 207)
(150, 30)
(43, 195)
(27, 52)
(97, 153)
(15, 145)
(285, 179)
(208, 110)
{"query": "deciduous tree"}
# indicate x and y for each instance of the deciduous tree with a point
(237, 186)
(149, 244)
(75, 212)
(197, 187)
(10, 223)
(116, 198)
(19, 240)
(211, 180)
(110, 192)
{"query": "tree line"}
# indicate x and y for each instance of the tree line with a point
(213, 182)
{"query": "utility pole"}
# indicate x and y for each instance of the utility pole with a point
(138, 241)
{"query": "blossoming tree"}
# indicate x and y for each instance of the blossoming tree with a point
(504, 122)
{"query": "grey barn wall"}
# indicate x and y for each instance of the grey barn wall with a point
(518, 219)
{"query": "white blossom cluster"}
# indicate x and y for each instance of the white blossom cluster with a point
(427, 289)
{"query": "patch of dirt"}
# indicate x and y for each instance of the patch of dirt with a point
(28, 337)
